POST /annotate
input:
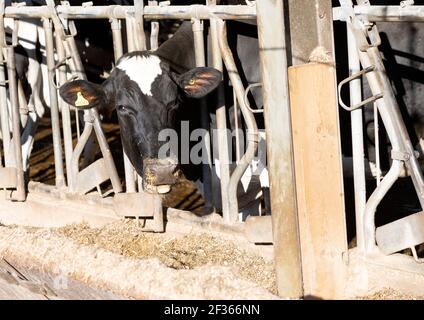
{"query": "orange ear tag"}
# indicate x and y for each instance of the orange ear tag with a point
(81, 101)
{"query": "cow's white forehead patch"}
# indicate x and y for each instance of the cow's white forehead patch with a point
(143, 70)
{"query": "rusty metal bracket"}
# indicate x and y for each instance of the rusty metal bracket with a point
(351, 78)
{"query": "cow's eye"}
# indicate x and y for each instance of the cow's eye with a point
(121, 107)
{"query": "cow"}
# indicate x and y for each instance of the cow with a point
(156, 91)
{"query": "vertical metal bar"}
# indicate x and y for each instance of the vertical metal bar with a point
(377, 145)
(20, 194)
(65, 110)
(54, 109)
(273, 66)
(129, 25)
(237, 123)
(221, 124)
(118, 51)
(199, 49)
(154, 30)
(130, 174)
(357, 139)
(139, 34)
(4, 117)
(4, 114)
(77, 123)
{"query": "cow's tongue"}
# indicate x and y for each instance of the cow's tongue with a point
(163, 189)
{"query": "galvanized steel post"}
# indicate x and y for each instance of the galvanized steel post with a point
(357, 139)
(65, 110)
(154, 31)
(273, 66)
(140, 40)
(20, 193)
(199, 49)
(118, 51)
(4, 113)
(221, 122)
(54, 108)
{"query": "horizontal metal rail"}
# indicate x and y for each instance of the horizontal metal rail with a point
(385, 13)
(240, 12)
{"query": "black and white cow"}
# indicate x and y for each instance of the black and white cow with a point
(147, 89)
(155, 91)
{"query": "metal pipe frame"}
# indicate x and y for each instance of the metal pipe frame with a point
(398, 136)
(121, 12)
(355, 87)
(411, 13)
(403, 149)
(252, 129)
(140, 40)
(154, 12)
(4, 114)
(54, 108)
(118, 51)
(154, 30)
(221, 124)
(65, 111)
(20, 194)
(131, 178)
(199, 50)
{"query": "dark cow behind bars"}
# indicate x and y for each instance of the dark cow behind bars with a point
(155, 91)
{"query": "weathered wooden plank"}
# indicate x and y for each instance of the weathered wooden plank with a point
(319, 185)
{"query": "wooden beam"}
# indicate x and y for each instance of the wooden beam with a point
(319, 183)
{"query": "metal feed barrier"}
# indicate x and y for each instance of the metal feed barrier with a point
(363, 42)
(60, 31)
(73, 185)
(298, 271)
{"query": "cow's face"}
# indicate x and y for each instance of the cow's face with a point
(146, 95)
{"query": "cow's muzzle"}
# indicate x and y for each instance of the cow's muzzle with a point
(159, 175)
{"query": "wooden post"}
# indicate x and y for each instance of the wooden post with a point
(319, 183)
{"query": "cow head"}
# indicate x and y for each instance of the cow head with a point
(146, 94)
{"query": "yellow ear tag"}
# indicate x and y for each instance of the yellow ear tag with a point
(192, 82)
(81, 101)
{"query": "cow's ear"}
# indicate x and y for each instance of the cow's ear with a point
(83, 94)
(199, 82)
